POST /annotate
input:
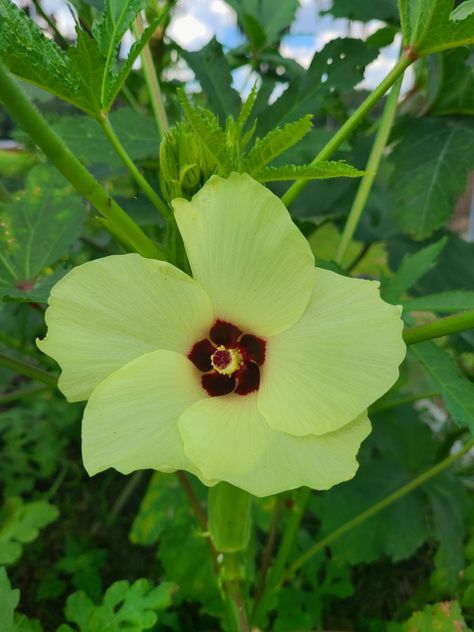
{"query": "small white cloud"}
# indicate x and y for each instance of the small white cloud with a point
(189, 32)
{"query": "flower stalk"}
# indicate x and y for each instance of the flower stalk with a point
(352, 122)
(33, 123)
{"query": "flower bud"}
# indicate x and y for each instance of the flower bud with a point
(185, 164)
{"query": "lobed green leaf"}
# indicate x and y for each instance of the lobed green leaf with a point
(457, 391)
(430, 167)
(276, 142)
(319, 171)
(412, 268)
(212, 70)
(37, 227)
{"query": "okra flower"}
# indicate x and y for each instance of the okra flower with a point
(257, 371)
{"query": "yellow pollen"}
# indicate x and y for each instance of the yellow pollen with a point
(226, 361)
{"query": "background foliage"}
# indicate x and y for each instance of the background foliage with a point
(128, 553)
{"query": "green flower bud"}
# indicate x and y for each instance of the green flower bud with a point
(185, 164)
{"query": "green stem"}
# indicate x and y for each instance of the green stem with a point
(371, 169)
(376, 508)
(152, 82)
(442, 327)
(33, 123)
(388, 404)
(128, 162)
(261, 605)
(29, 370)
(352, 122)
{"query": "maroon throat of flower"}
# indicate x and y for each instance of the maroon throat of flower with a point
(229, 360)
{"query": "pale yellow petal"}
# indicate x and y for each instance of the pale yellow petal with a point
(228, 439)
(246, 252)
(130, 420)
(109, 311)
(332, 364)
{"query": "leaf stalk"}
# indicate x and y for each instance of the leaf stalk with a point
(442, 327)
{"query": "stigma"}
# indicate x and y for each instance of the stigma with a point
(226, 361)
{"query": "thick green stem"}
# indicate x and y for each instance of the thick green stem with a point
(371, 169)
(152, 82)
(33, 123)
(376, 508)
(442, 327)
(128, 162)
(29, 370)
(352, 122)
(261, 605)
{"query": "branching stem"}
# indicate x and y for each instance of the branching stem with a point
(365, 186)
(352, 122)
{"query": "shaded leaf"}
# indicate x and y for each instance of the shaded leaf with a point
(448, 507)
(412, 268)
(37, 227)
(457, 391)
(364, 10)
(108, 32)
(212, 70)
(9, 599)
(444, 302)
(32, 56)
(89, 66)
(455, 83)
(430, 167)
(337, 68)
(20, 523)
(266, 16)
(137, 132)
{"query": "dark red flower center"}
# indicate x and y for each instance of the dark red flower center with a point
(229, 360)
